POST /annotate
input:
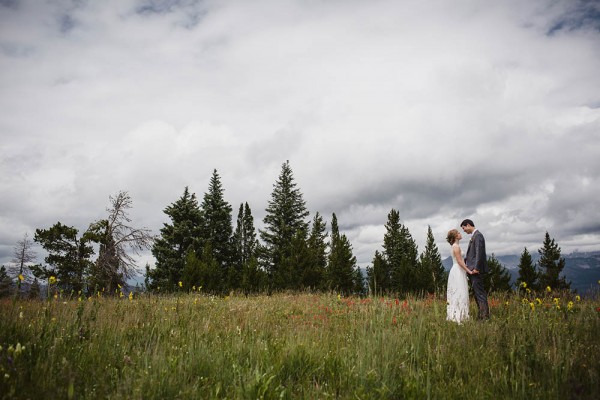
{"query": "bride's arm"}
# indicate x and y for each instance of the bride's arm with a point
(459, 259)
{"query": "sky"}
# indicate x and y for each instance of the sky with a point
(488, 110)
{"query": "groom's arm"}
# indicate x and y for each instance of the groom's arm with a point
(479, 243)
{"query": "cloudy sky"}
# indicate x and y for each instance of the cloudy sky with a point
(442, 110)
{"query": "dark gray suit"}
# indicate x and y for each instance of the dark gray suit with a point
(477, 259)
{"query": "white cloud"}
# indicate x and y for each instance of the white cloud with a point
(440, 110)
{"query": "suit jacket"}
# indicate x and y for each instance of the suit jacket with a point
(476, 257)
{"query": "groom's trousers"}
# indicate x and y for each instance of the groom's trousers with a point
(480, 296)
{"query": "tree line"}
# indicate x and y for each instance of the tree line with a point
(199, 249)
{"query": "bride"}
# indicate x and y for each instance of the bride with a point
(457, 295)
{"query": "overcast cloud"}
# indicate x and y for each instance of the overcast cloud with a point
(441, 110)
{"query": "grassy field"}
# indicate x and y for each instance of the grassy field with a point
(297, 346)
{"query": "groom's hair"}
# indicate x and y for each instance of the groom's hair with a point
(467, 222)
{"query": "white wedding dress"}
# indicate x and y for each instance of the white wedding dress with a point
(457, 295)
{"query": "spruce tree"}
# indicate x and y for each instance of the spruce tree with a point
(216, 227)
(5, 282)
(314, 275)
(286, 214)
(434, 277)
(341, 267)
(245, 247)
(400, 252)
(497, 278)
(528, 275)
(378, 275)
(171, 247)
(551, 265)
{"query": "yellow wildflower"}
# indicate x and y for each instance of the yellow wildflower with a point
(194, 288)
(570, 306)
(21, 278)
(52, 280)
(524, 284)
(528, 290)
(130, 296)
(180, 284)
(548, 289)
(538, 301)
(556, 300)
(577, 298)
(121, 294)
(532, 305)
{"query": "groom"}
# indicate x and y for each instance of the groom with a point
(476, 261)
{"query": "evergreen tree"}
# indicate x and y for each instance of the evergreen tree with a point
(314, 275)
(68, 255)
(431, 267)
(245, 247)
(202, 271)
(341, 268)
(5, 282)
(216, 227)
(497, 278)
(528, 275)
(400, 252)
(379, 276)
(171, 247)
(286, 213)
(551, 265)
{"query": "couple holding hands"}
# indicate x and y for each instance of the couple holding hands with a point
(473, 266)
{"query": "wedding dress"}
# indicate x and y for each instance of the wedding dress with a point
(457, 295)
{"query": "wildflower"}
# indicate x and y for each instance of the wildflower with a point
(528, 290)
(555, 300)
(524, 284)
(194, 288)
(538, 301)
(130, 296)
(180, 284)
(532, 305)
(52, 280)
(119, 286)
(577, 298)
(339, 297)
(121, 294)
(524, 301)
(548, 289)
(21, 278)
(570, 306)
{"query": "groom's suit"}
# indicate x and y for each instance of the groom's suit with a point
(477, 259)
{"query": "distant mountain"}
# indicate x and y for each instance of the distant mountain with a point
(582, 269)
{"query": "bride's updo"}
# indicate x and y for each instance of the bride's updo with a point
(452, 234)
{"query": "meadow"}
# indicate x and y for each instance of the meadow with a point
(289, 346)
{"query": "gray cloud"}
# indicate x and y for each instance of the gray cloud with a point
(440, 111)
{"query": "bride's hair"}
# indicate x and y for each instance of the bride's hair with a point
(452, 234)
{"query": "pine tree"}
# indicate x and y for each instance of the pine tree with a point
(216, 227)
(5, 282)
(431, 267)
(379, 276)
(551, 265)
(341, 267)
(314, 275)
(171, 247)
(498, 278)
(400, 252)
(528, 275)
(68, 255)
(245, 247)
(286, 213)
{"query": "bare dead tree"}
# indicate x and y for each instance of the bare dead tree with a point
(23, 256)
(119, 243)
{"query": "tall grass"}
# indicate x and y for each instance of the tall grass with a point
(297, 346)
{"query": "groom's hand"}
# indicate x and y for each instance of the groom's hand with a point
(475, 272)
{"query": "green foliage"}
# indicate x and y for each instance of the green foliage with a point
(297, 347)
(341, 266)
(245, 245)
(378, 275)
(551, 265)
(68, 255)
(314, 274)
(528, 275)
(285, 218)
(497, 278)
(431, 270)
(171, 247)
(216, 228)
(5, 283)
